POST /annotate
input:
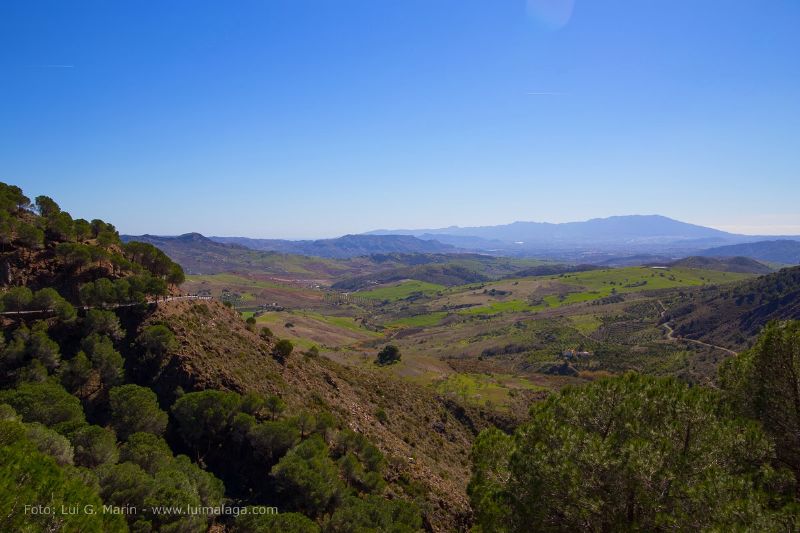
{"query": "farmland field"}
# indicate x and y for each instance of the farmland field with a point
(401, 290)
(490, 341)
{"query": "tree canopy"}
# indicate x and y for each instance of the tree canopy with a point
(135, 409)
(764, 384)
(627, 453)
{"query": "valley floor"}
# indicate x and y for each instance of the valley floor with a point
(495, 345)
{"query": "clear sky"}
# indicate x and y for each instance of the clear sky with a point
(301, 118)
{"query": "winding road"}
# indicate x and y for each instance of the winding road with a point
(671, 334)
(157, 301)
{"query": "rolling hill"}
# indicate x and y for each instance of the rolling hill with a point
(200, 255)
(344, 247)
(732, 315)
(743, 265)
(786, 252)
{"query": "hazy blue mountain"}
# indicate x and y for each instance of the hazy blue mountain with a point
(617, 229)
(346, 246)
(587, 241)
(778, 251)
(614, 241)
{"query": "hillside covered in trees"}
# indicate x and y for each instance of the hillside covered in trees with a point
(733, 315)
(115, 395)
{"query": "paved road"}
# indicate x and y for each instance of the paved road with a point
(156, 301)
(671, 335)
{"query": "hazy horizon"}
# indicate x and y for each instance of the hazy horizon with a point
(452, 226)
(312, 119)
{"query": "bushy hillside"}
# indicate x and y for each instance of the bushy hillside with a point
(742, 265)
(41, 246)
(732, 315)
(552, 270)
(425, 439)
(448, 275)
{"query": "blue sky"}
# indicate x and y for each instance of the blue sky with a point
(300, 118)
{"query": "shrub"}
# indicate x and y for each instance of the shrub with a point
(388, 355)
(283, 349)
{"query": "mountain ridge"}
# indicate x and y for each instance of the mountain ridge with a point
(639, 232)
(345, 246)
(779, 251)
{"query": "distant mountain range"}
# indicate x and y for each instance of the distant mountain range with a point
(780, 251)
(346, 246)
(632, 234)
(201, 255)
(613, 241)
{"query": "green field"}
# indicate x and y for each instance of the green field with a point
(593, 285)
(484, 389)
(492, 326)
(634, 279)
(401, 290)
(511, 306)
(585, 324)
(344, 322)
(419, 321)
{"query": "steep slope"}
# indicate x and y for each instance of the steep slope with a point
(426, 439)
(732, 315)
(780, 251)
(168, 398)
